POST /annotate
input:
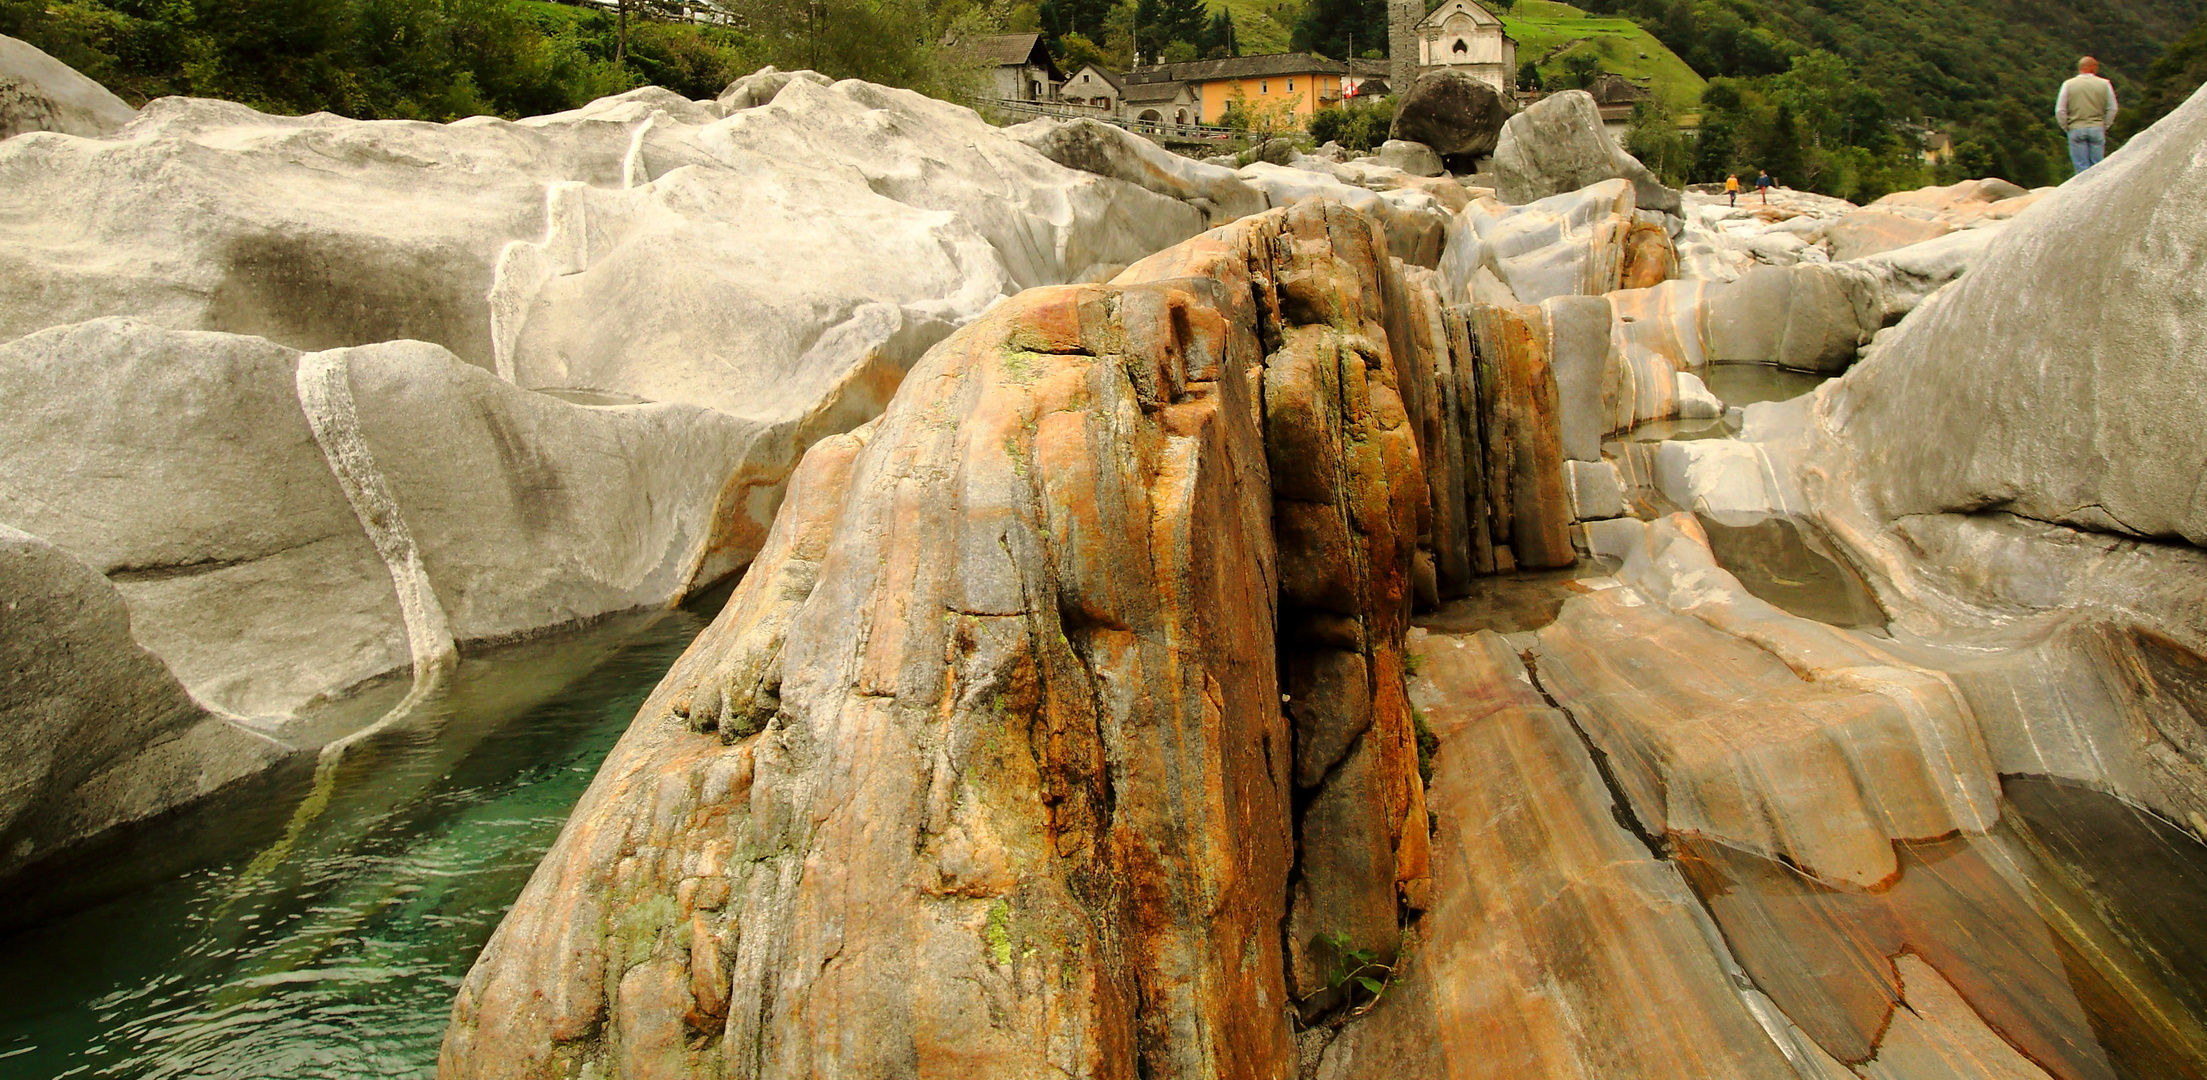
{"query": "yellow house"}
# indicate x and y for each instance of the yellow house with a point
(1296, 83)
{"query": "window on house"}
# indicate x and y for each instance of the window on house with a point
(1461, 48)
(1264, 86)
(1291, 86)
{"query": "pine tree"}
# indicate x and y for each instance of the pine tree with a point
(1339, 28)
(1164, 22)
(1218, 38)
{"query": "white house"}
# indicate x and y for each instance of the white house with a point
(1465, 36)
(1022, 68)
(1093, 86)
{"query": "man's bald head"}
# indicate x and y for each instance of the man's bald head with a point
(2089, 66)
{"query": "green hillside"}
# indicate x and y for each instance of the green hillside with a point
(1262, 26)
(1549, 34)
(1982, 71)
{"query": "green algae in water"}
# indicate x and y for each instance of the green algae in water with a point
(341, 960)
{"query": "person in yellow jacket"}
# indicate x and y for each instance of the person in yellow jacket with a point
(1732, 189)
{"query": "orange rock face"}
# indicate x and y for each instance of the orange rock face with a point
(1509, 392)
(1059, 728)
(1559, 945)
(1650, 258)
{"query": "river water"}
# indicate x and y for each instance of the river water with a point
(272, 943)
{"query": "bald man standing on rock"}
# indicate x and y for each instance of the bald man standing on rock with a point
(2086, 109)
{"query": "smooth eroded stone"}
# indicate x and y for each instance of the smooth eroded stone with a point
(1560, 145)
(1416, 221)
(1572, 244)
(1415, 158)
(90, 722)
(2057, 380)
(1650, 257)
(759, 87)
(1579, 350)
(200, 471)
(783, 263)
(1595, 490)
(1558, 945)
(40, 93)
(1726, 717)
(1106, 150)
(1525, 506)
(1873, 232)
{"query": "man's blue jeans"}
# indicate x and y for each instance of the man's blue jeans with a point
(2087, 145)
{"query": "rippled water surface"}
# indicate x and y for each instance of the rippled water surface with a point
(328, 944)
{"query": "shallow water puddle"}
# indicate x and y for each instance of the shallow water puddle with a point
(1787, 564)
(1512, 603)
(1741, 385)
(337, 953)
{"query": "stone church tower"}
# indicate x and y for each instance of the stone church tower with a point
(1460, 35)
(1403, 17)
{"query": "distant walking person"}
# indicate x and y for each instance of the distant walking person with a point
(2085, 109)
(1732, 189)
(1764, 183)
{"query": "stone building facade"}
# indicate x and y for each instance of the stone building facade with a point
(1460, 34)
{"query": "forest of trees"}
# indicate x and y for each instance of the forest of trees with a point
(1829, 95)
(443, 59)
(1833, 95)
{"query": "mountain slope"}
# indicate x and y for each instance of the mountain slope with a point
(1263, 26)
(1945, 58)
(1549, 34)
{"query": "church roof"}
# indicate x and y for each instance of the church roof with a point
(1479, 14)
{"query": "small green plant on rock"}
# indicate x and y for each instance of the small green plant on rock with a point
(1357, 974)
(1429, 744)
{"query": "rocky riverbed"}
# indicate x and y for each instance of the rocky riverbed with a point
(1303, 618)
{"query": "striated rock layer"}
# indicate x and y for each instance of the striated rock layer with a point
(1058, 729)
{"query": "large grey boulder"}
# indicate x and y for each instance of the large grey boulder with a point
(2015, 468)
(1096, 147)
(759, 87)
(1573, 244)
(782, 264)
(1458, 116)
(1414, 158)
(40, 93)
(94, 730)
(1559, 145)
(285, 526)
(2060, 379)
(328, 400)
